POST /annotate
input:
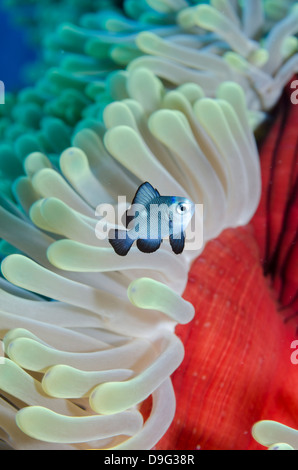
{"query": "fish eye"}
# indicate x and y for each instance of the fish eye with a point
(182, 208)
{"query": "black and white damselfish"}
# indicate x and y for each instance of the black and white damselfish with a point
(150, 218)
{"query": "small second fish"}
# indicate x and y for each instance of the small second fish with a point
(151, 218)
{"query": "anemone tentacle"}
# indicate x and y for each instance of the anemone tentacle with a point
(254, 45)
(119, 325)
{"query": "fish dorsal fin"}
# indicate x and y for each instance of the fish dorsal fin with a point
(145, 194)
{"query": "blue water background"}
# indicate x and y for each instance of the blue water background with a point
(15, 52)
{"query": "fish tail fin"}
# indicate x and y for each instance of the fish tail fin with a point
(120, 241)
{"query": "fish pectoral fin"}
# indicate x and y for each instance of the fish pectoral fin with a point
(177, 244)
(148, 245)
(120, 241)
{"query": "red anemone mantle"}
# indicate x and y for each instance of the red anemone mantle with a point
(237, 367)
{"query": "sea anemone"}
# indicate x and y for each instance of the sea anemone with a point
(85, 362)
(180, 41)
(39, 19)
(240, 364)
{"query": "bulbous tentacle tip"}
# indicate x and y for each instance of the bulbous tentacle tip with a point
(275, 436)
